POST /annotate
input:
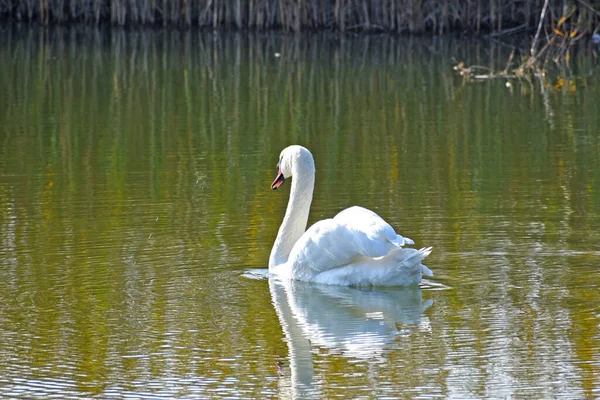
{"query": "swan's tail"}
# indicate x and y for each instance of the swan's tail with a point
(416, 258)
(425, 251)
(400, 241)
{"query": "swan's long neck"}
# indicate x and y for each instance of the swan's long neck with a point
(296, 214)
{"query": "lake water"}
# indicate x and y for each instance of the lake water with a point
(136, 215)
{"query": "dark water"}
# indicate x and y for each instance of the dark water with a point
(134, 197)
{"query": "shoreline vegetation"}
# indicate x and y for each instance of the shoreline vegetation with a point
(552, 28)
(558, 33)
(496, 17)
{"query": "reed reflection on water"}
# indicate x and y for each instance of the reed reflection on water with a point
(134, 192)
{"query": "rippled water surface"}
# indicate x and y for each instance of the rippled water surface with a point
(136, 216)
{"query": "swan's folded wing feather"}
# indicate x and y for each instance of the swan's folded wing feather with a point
(371, 224)
(324, 246)
(355, 232)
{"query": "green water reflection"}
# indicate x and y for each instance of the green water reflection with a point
(134, 192)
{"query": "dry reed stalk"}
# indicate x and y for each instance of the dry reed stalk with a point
(134, 12)
(238, 13)
(478, 16)
(30, 9)
(215, 14)
(60, 8)
(537, 34)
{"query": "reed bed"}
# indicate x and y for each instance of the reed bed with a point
(554, 41)
(408, 16)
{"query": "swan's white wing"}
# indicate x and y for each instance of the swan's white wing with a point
(354, 233)
(368, 222)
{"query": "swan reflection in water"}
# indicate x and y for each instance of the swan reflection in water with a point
(352, 322)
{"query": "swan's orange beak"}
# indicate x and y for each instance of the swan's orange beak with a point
(278, 181)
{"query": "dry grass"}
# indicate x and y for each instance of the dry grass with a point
(411, 16)
(556, 36)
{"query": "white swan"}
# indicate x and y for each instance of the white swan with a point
(355, 248)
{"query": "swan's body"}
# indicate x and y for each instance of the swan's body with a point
(355, 248)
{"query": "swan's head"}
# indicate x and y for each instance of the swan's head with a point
(293, 160)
